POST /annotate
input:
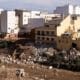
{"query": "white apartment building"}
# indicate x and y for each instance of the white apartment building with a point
(16, 21)
(29, 19)
(26, 18)
(67, 9)
(9, 22)
(23, 15)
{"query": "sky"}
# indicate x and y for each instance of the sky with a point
(45, 5)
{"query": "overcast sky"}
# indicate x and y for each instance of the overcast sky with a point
(49, 5)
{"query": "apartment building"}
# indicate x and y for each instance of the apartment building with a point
(69, 23)
(60, 31)
(23, 15)
(9, 23)
(69, 35)
(1, 10)
(68, 10)
(47, 34)
(27, 17)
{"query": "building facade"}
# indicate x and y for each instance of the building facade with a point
(9, 22)
(29, 20)
(68, 10)
(64, 31)
(1, 10)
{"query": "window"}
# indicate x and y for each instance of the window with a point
(79, 30)
(59, 41)
(9, 28)
(56, 25)
(48, 39)
(43, 38)
(67, 34)
(12, 31)
(47, 32)
(43, 33)
(38, 14)
(16, 28)
(52, 39)
(24, 15)
(38, 37)
(52, 32)
(47, 25)
(38, 32)
(74, 17)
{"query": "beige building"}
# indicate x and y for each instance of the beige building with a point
(62, 32)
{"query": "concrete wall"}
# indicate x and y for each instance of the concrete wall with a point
(9, 22)
(4, 22)
(36, 22)
(64, 25)
(62, 10)
(1, 10)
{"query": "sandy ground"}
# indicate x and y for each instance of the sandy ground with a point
(36, 72)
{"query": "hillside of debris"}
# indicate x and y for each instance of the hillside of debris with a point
(37, 63)
(48, 56)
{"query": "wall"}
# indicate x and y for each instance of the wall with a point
(64, 25)
(64, 42)
(36, 22)
(4, 22)
(62, 10)
(9, 22)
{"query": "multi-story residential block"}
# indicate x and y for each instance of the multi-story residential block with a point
(68, 9)
(1, 10)
(48, 33)
(60, 31)
(34, 17)
(9, 23)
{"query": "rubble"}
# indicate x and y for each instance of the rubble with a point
(42, 79)
(20, 73)
(36, 59)
(3, 67)
(50, 67)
